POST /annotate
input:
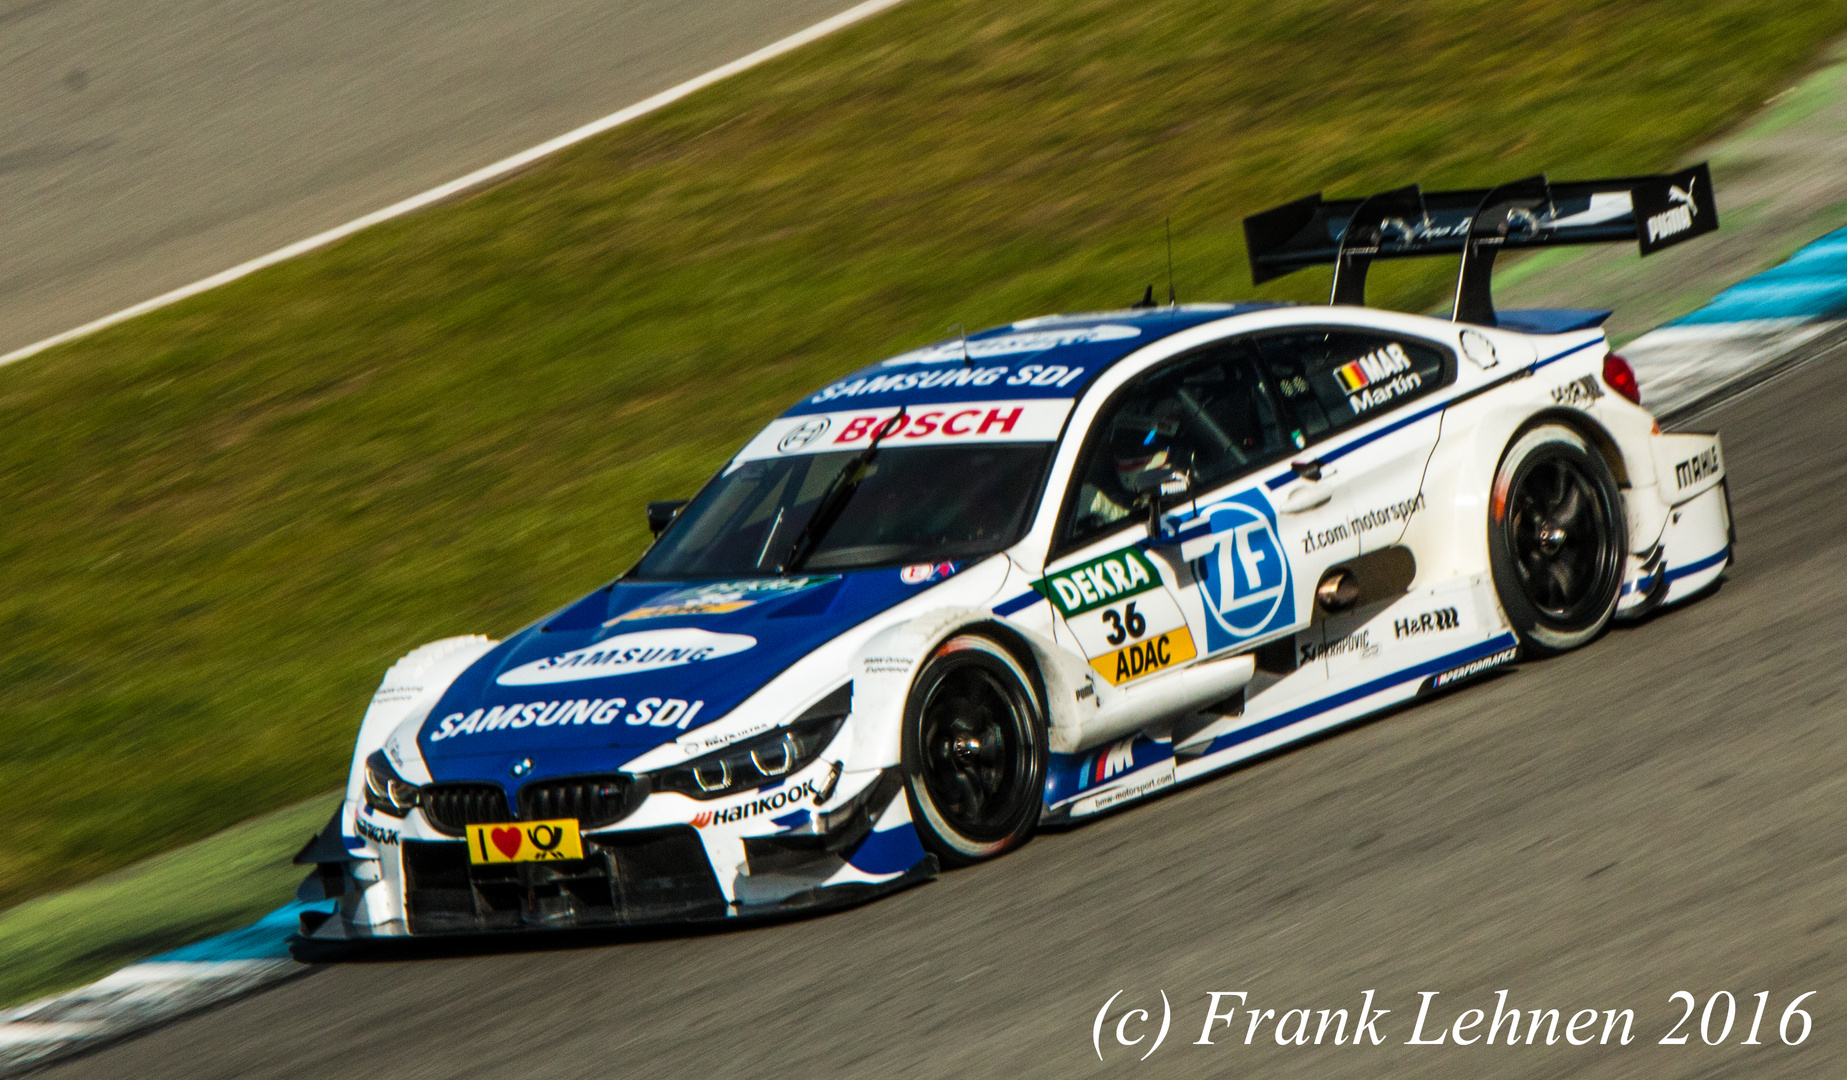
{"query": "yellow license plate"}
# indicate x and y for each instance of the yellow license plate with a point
(525, 841)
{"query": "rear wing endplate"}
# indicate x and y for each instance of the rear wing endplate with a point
(1477, 223)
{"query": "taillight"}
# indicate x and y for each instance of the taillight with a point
(1621, 377)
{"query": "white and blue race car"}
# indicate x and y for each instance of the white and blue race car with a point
(1041, 573)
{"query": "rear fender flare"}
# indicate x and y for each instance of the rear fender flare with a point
(1478, 458)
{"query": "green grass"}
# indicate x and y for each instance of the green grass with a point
(61, 941)
(222, 521)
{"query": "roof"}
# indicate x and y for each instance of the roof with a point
(1055, 356)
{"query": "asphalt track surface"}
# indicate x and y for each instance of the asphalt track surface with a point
(144, 146)
(1660, 811)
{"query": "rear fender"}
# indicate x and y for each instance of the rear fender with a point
(1458, 484)
(1468, 466)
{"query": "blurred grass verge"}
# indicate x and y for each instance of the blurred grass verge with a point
(223, 521)
(213, 885)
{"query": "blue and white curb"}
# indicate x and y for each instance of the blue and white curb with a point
(1744, 328)
(152, 992)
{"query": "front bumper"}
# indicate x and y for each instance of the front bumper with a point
(642, 876)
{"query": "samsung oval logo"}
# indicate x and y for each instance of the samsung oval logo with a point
(626, 654)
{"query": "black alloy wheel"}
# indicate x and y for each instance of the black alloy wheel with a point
(974, 751)
(1557, 539)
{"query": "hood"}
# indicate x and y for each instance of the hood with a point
(637, 664)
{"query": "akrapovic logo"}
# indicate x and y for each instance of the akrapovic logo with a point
(774, 801)
(1360, 641)
(1697, 468)
(1429, 622)
(375, 834)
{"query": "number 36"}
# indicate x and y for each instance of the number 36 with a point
(1124, 625)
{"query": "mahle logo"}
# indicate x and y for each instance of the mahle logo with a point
(1100, 581)
(1245, 577)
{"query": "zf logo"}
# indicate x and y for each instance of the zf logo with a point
(1427, 623)
(1245, 577)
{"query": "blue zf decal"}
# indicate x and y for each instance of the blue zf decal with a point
(1245, 578)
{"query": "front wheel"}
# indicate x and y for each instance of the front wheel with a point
(974, 751)
(1557, 539)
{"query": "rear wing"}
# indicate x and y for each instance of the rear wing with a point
(1408, 223)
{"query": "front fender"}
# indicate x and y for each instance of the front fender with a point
(888, 664)
(410, 689)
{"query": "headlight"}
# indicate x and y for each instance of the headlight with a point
(751, 763)
(386, 791)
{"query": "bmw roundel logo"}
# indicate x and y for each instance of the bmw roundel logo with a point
(521, 767)
(803, 434)
(1246, 576)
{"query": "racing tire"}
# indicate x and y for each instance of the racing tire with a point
(975, 751)
(1557, 539)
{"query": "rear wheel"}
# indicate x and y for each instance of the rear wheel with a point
(974, 751)
(1557, 539)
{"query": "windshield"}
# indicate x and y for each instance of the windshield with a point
(913, 505)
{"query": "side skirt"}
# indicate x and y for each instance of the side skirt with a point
(1345, 706)
(1143, 765)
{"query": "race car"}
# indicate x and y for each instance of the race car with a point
(1041, 572)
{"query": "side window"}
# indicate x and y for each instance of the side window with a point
(1209, 416)
(1334, 379)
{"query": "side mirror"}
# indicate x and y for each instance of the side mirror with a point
(1160, 480)
(661, 514)
(1150, 484)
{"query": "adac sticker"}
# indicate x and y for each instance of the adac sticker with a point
(1244, 578)
(719, 597)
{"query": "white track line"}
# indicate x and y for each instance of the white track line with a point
(473, 179)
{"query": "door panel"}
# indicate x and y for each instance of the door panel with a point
(1350, 393)
(1257, 564)
(1204, 421)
